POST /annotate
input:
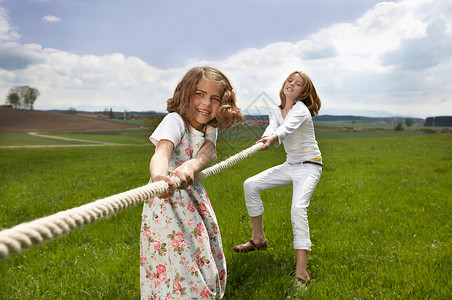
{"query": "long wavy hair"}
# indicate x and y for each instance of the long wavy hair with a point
(308, 94)
(228, 113)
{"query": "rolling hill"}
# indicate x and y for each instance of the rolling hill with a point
(20, 120)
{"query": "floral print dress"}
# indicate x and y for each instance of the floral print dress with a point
(181, 255)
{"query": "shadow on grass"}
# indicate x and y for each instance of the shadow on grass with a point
(260, 275)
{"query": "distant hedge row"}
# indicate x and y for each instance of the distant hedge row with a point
(443, 121)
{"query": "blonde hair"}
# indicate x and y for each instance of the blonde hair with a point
(228, 113)
(308, 94)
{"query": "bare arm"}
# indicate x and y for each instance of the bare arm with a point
(159, 165)
(186, 171)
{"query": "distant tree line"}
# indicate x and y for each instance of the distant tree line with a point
(22, 97)
(442, 121)
(371, 120)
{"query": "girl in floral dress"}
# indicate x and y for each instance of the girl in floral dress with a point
(181, 255)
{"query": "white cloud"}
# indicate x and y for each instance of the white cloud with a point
(13, 55)
(50, 19)
(67, 79)
(423, 52)
(364, 65)
(7, 31)
(394, 58)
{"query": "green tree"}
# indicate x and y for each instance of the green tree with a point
(27, 96)
(13, 99)
(409, 122)
(399, 127)
(30, 97)
(72, 111)
(21, 91)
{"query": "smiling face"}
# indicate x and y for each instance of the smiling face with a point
(206, 101)
(293, 87)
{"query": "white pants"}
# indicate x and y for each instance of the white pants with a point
(303, 177)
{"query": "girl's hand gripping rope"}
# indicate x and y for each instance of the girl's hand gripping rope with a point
(171, 185)
(185, 175)
(268, 141)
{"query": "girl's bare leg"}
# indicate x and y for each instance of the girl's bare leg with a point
(258, 230)
(258, 240)
(301, 271)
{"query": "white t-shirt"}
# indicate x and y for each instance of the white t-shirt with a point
(172, 128)
(296, 132)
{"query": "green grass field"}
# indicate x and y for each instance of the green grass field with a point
(379, 220)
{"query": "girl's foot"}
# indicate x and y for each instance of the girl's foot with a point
(250, 246)
(302, 282)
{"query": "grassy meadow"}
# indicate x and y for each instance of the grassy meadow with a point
(379, 218)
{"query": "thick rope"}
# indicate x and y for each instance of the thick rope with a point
(28, 234)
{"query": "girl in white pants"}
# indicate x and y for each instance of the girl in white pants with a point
(290, 124)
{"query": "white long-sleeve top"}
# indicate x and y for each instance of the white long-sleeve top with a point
(296, 132)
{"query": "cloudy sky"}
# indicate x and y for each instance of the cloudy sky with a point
(365, 57)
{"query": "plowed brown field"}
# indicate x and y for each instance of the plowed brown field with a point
(21, 120)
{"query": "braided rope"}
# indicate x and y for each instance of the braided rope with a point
(28, 234)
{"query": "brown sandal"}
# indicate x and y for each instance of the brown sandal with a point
(244, 248)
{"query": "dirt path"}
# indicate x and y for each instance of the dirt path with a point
(33, 122)
(89, 143)
(68, 139)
